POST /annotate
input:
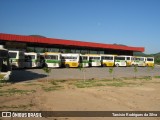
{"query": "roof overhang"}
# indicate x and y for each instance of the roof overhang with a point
(55, 41)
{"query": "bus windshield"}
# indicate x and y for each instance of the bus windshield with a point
(107, 58)
(140, 59)
(119, 58)
(3, 54)
(32, 56)
(12, 54)
(54, 57)
(149, 59)
(84, 57)
(94, 58)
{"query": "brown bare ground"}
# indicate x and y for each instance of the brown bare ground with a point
(42, 95)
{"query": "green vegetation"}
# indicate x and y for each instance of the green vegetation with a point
(87, 83)
(156, 56)
(55, 86)
(81, 68)
(1, 76)
(95, 83)
(156, 76)
(111, 70)
(135, 71)
(54, 82)
(40, 36)
(14, 91)
(61, 81)
(51, 88)
(47, 71)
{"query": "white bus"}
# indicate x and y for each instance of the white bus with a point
(17, 59)
(52, 59)
(139, 61)
(129, 59)
(107, 60)
(84, 60)
(149, 61)
(94, 60)
(70, 59)
(5, 67)
(120, 61)
(32, 60)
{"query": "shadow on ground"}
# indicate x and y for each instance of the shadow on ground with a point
(24, 75)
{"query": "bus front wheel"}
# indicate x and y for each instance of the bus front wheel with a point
(67, 65)
(104, 65)
(117, 65)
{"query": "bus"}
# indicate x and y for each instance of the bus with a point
(129, 59)
(70, 59)
(107, 60)
(5, 66)
(51, 59)
(17, 58)
(84, 60)
(94, 60)
(120, 61)
(139, 61)
(150, 61)
(32, 60)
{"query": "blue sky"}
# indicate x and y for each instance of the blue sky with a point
(129, 22)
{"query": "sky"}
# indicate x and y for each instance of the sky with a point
(129, 22)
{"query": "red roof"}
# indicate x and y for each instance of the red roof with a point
(54, 41)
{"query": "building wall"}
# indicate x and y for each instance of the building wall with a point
(39, 48)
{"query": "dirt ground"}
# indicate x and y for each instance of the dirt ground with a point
(125, 94)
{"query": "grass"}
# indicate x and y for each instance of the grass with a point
(32, 84)
(61, 81)
(156, 76)
(51, 88)
(14, 91)
(55, 86)
(1, 76)
(120, 84)
(54, 82)
(3, 81)
(95, 83)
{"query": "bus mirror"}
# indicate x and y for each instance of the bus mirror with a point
(11, 60)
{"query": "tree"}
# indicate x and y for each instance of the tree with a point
(150, 69)
(47, 71)
(81, 68)
(111, 70)
(135, 71)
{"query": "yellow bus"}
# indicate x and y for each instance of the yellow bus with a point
(70, 59)
(129, 59)
(107, 60)
(150, 61)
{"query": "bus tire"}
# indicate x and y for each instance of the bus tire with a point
(67, 65)
(132, 65)
(104, 65)
(45, 65)
(117, 65)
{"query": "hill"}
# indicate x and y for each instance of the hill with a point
(38, 36)
(156, 56)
